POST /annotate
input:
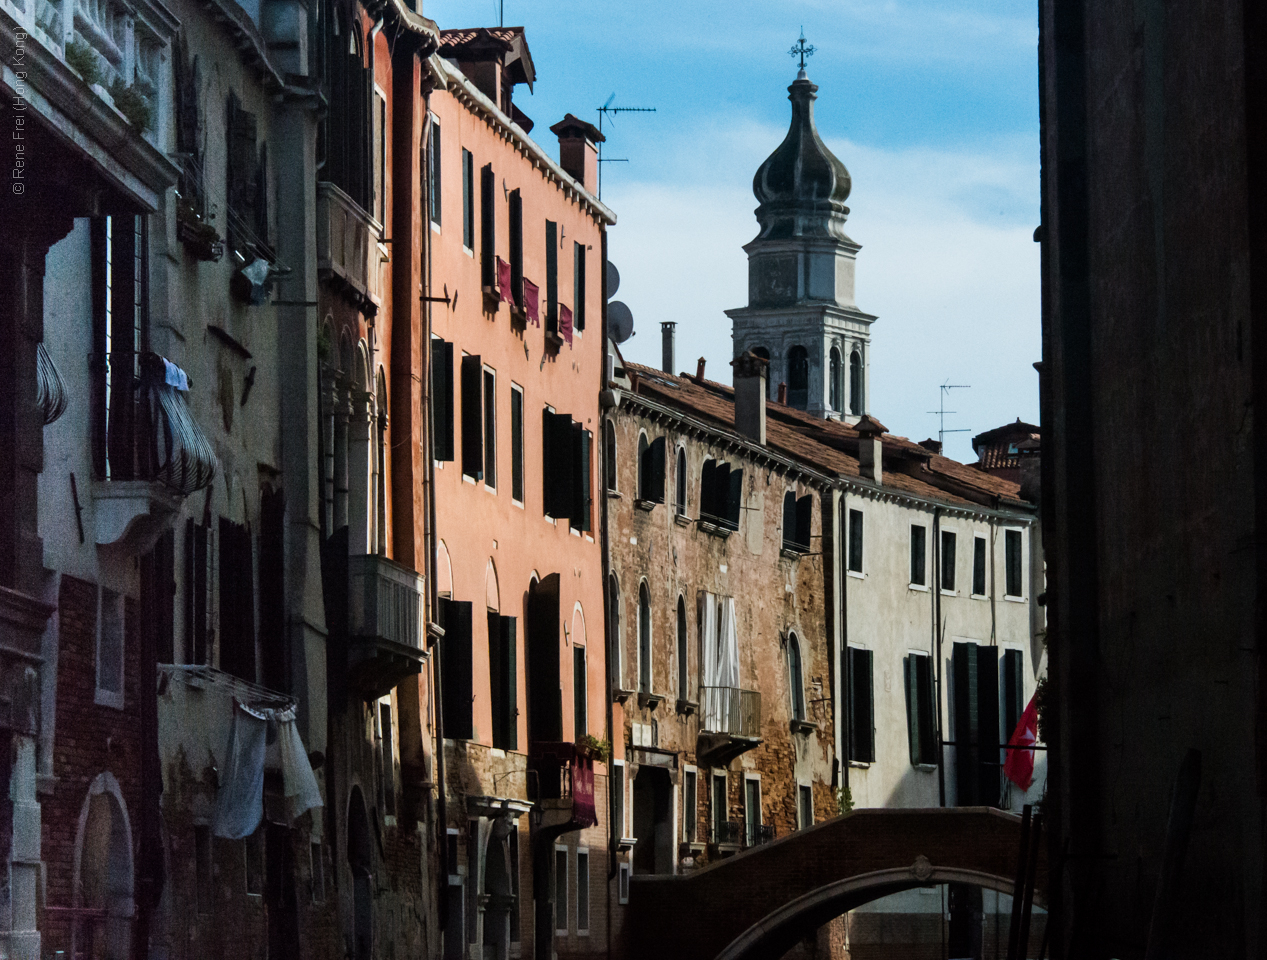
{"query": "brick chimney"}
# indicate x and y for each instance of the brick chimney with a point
(749, 379)
(869, 448)
(578, 150)
(699, 370)
(666, 346)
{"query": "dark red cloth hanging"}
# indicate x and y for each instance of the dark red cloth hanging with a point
(503, 282)
(565, 323)
(532, 307)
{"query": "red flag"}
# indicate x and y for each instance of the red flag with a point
(1019, 765)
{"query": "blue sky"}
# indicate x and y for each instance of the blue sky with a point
(931, 105)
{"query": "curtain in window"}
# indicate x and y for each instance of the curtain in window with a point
(708, 638)
(728, 647)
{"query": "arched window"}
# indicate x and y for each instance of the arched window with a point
(855, 383)
(644, 639)
(796, 681)
(613, 630)
(651, 469)
(798, 377)
(643, 446)
(833, 387)
(681, 481)
(683, 686)
(789, 519)
(609, 455)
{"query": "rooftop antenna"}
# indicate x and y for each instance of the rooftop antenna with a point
(608, 110)
(801, 49)
(941, 412)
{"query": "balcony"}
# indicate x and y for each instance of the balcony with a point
(561, 780)
(386, 640)
(730, 723)
(347, 239)
(738, 833)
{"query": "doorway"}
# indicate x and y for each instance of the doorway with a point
(653, 821)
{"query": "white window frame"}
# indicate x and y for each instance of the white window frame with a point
(567, 890)
(389, 819)
(101, 695)
(1011, 597)
(576, 893)
(910, 582)
(523, 443)
(715, 774)
(804, 785)
(941, 532)
(434, 123)
(988, 566)
(544, 516)
(638, 494)
(486, 370)
(689, 816)
(622, 883)
(849, 510)
(379, 147)
(747, 779)
(468, 250)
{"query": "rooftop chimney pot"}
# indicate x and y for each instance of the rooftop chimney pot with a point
(870, 449)
(578, 150)
(749, 378)
(699, 370)
(666, 346)
(783, 392)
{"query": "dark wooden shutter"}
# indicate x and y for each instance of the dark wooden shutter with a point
(789, 519)
(587, 472)
(988, 788)
(708, 490)
(919, 554)
(804, 520)
(947, 573)
(1012, 556)
(545, 706)
(455, 669)
(552, 277)
(579, 694)
(1013, 693)
(978, 566)
(576, 511)
(272, 592)
(442, 399)
(472, 417)
(929, 747)
(861, 710)
(195, 592)
(516, 222)
(510, 675)
(517, 445)
(654, 490)
(964, 665)
(578, 285)
(162, 596)
(557, 465)
(734, 498)
(490, 428)
(237, 601)
(488, 226)
(497, 678)
(855, 540)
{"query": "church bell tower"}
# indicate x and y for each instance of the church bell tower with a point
(801, 314)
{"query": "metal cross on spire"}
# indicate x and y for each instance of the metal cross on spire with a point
(801, 49)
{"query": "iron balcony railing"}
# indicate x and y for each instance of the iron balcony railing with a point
(739, 833)
(384, 601)
(731, 710)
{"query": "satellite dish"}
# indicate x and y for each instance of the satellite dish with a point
(613, 279)
(619, 321)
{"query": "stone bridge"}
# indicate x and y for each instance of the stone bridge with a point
(761, 902)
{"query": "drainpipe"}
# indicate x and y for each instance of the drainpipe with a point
(935, 586)
(612, 838)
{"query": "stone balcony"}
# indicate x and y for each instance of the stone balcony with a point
(386, 629)
(349, 253)
(730, 723)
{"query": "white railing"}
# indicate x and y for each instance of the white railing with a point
(731, 710)
(345, 238)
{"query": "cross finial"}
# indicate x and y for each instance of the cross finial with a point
(801, 49)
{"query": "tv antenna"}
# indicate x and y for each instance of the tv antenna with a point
(941, 412)
(608, 110)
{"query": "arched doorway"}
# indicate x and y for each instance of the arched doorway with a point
(103, 874)
(499, 893)
(360, 863)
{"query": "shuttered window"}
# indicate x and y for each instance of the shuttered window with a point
(861, 706)
(651, 469)
(976, 711)
(948, 541)
(559, 452)
(455, 669)
(433, 171)
(1013, 692)
(1012, 557)
(472, 417)
(919, 555)
(582, 495)
(441, 399)
(516, 222)
(468, 199)
(274, 672)
(552, 277)
(516, 443)
(504, 679)
(721, 494)
(578, 285)
(198, 547)
(797, 516)
(490, 429)
(920, 725)
(237, 601)
(978, 566)
(579, 694)
(855, 541)
(488, 227)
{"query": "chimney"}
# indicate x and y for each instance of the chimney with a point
(666, 346)
(931, 445)
(578, 150)
(749, 379)
(870, 449)
(783, 392)
(699, 370)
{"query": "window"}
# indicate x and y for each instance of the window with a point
(975, 672)
(455, 669)
(386, 758)
(651, 469)
(204, 869)
(472, 417)
(797, 518)
(237, 601)
(433, 171)
(1012, 558)
(861, 707)
(683, 687)
(490, 429)
(517, 443)
(855, 541)
(441, 399)
(978, 566)
(578, 285)
(468, 199)
(947, 560)
(565, 465)
(513, 843)
(855, 383)
(680, 482)
(609, 456)
(751, 811)
(552, 277)
(1013, 692)
(644, 638)
(316, 862)
(798, 377)
(919, 555)
(834, 380)
(110, 640)
(503, 655)
(721, 494)
(488, 227)
(246, 169)
(380, 156)
(253, 855)
(804, 806)
(516, 225)
(579, 692)
(690, 804)
(622, 892)
(584, 468)
(917, 671)
(613, 632)
(198, 579)
(561, 891)
(618, 798)
(721, 813)
(582, 892)
(796, 679)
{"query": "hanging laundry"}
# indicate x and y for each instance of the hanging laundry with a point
(240, 799)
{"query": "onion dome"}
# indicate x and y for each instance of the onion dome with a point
(802, 186)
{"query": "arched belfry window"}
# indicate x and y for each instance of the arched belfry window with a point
(833, 387)
(796, 680)
(798, 377)
(855, 383)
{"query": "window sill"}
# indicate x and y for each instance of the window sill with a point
(713, 530)
(949, 593)
(682, 520)
(925, 767)
(980, 596)
(917, 587)
(861, 764)
(467, 478)
(792, 552)
(803, 727)
(613, 494)
(1011, 599)
(649, 701)
(554, 339)
(687, 707)
(856, 575)
(647, 505)
(488, 489)
(626, 843)
(621, 695)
